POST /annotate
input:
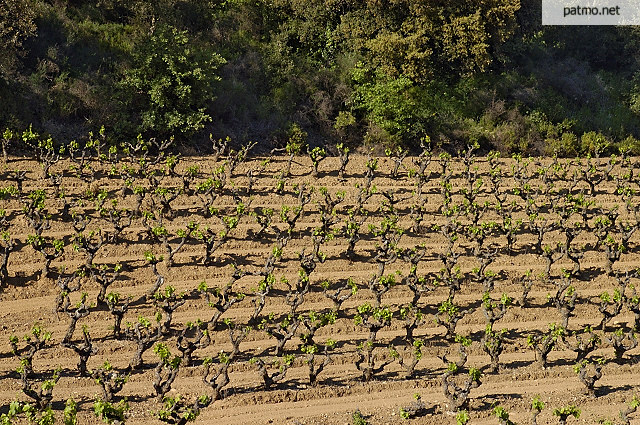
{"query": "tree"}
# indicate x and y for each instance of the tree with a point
(16, 24)
(391, 105)
(170, 83)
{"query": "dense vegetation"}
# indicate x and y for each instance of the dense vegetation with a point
(378, 73)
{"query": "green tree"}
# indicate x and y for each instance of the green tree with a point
(171, 83)
(391, 106)
(421, 40)
(16, 24)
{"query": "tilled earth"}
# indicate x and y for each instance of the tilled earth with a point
(31, 297)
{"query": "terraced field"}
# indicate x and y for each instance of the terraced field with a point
(381, 285)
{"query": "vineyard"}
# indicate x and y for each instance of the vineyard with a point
(143, 287)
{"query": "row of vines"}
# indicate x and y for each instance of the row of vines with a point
(427, 242)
